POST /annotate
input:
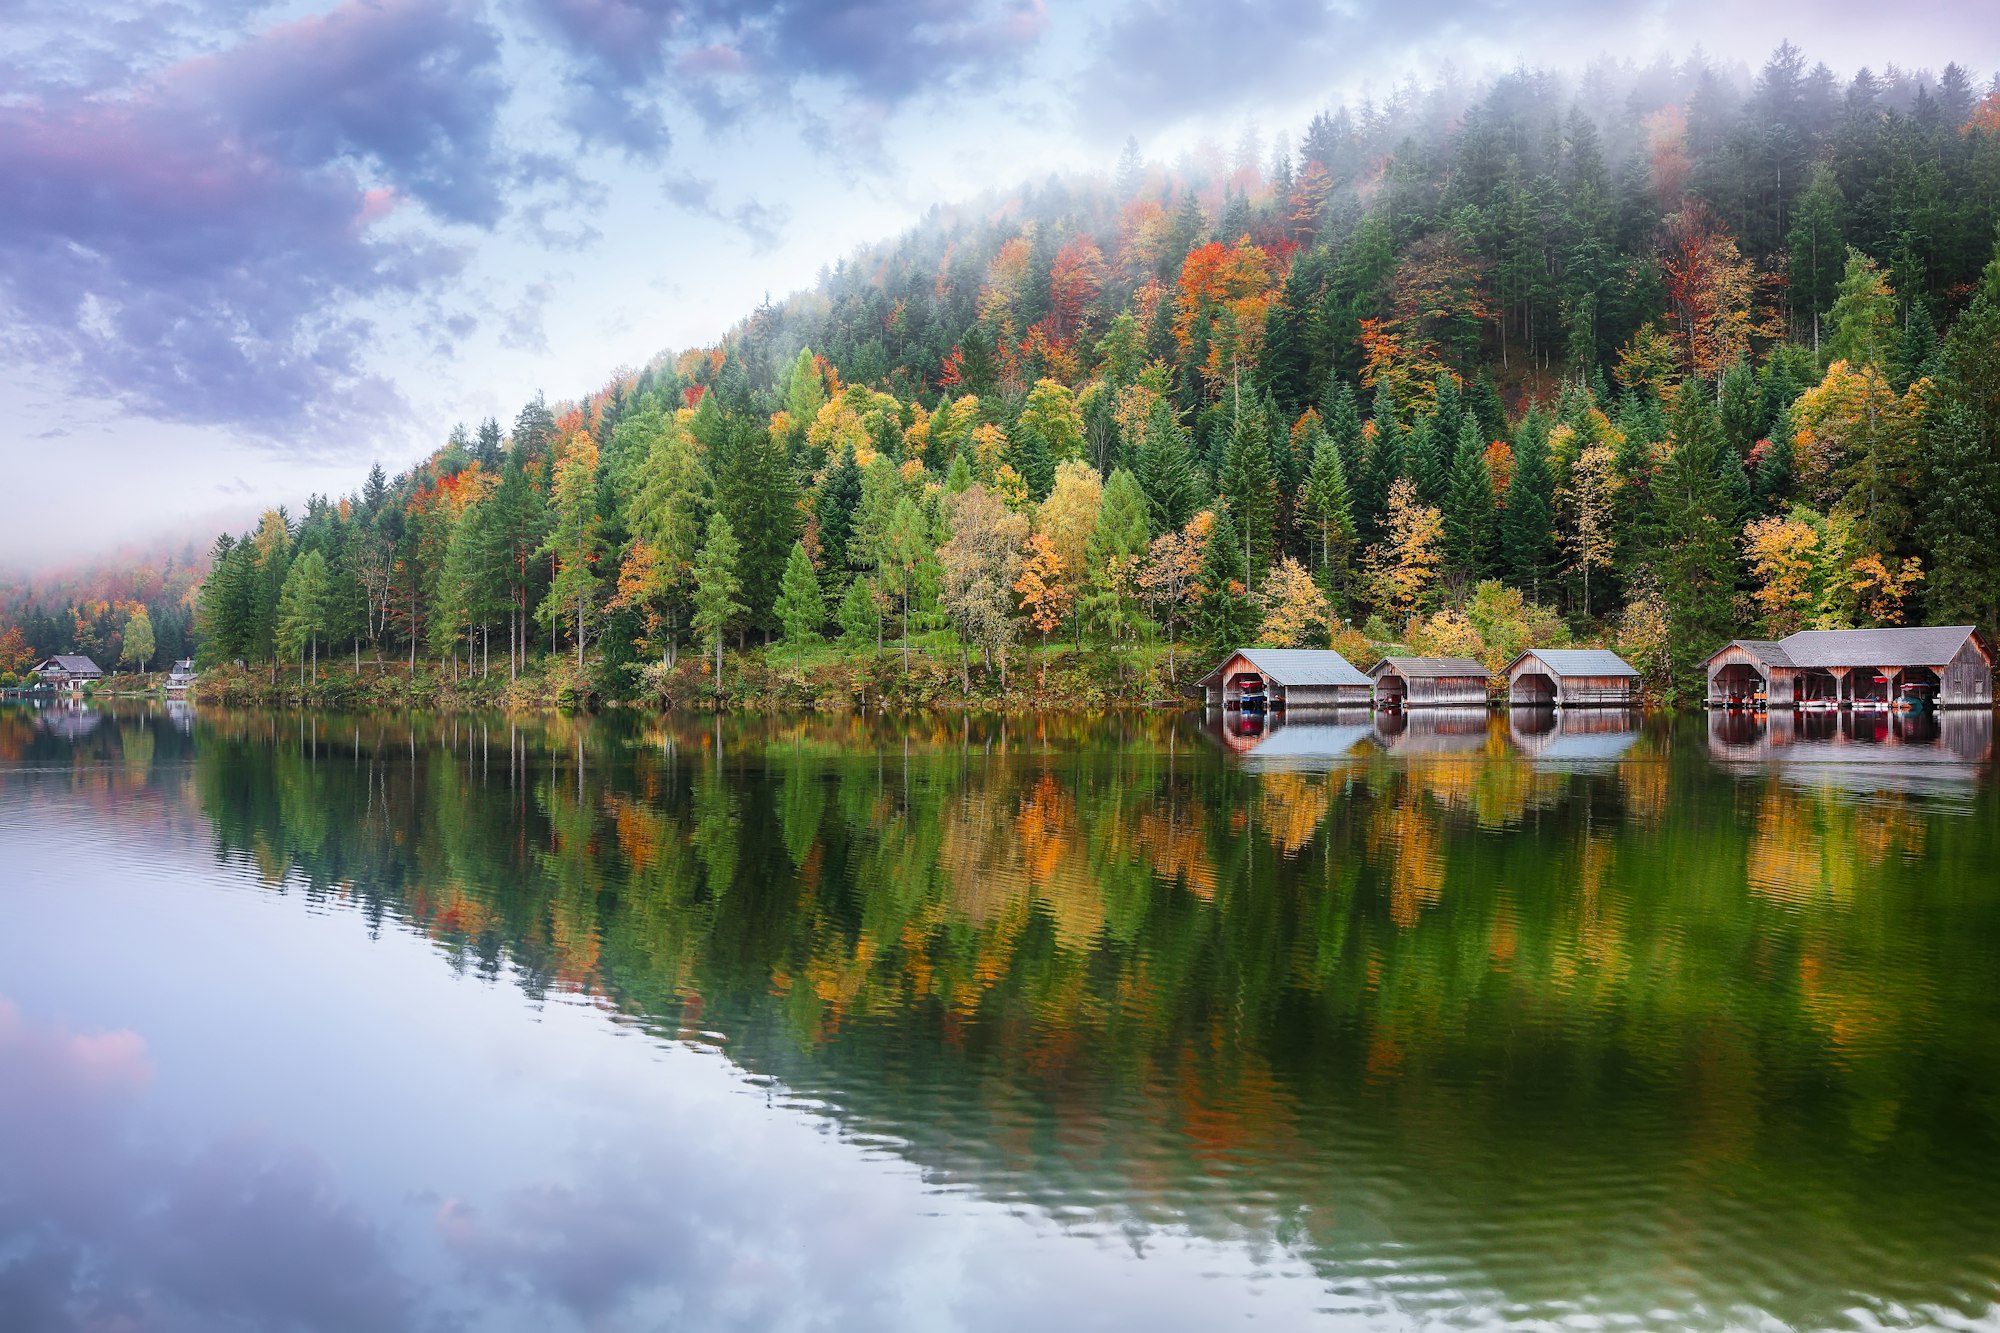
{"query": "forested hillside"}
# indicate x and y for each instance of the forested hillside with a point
(1651, 357)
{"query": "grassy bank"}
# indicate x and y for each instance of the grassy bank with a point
(824, 679)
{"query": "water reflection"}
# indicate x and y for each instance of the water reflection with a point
(1859, 751)
(1454, 1019)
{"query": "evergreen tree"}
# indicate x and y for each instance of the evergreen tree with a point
(574, 543)
(1468, 507)
(760, 494)
(839, 497)
(1863, 322)
(801, 609)
(1165, 471)
(1691, 543)
(302, 609)
(1225, 615)
(1380, 469)
(1431, 461)
(1330, 509)
(717, 589)
(1817, 251)
(1961, 523)
(1527, 532)
(1250, 492)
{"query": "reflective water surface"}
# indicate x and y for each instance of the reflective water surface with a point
(1163, 1022)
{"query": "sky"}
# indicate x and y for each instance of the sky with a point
(247, 249)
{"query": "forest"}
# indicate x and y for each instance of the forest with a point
(1649, 357)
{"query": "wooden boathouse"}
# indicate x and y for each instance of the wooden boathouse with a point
(1429, 682)
(1941, 666)
(1256, 679)
(1572, 678)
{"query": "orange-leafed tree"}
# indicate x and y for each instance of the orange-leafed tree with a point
(1045, 591)
(1075, 279)
(1710, 290)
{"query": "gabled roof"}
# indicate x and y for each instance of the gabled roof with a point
(1431, 668)
(1764, 650)
(1296, 666)
(73, 665)
(1578, 661)
(1912, 645)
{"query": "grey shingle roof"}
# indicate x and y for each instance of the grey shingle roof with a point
(73, 665)
(1431, 668)
(1298, 666)
(1913, 645)
(1765, 651)
(1579, 661)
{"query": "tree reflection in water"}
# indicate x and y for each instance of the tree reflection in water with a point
(1568, 1013)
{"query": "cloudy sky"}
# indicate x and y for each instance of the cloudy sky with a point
(247, 248)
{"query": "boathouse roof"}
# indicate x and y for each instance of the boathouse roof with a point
(1294, 666)
(1911, 645)
(1431, 668)
(1577, 661)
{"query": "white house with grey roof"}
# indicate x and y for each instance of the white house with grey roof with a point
(1572, 678)
(64, 669)
(1947, 666)
(1285, 678)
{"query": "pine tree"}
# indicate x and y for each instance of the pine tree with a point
(1225, 615)
(835, 507)
(760, 494)
(1468, 507)
(1330, 508)
(1816, 248)
(1114, 552)
(716, 588)
(860, 614)
(1691, 544)
(1961, 524)
(1250, 492)
(1165, 471)
(1380, 468)
(801, 608)
(1430, 461)
(1863, 322)
(574, 542)
(302, 609)
(1527, 533)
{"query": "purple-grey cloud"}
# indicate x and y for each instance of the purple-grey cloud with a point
(723, 58)
(103, 1225)
(193, 245)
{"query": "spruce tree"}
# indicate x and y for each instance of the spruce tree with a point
(1224, 615)
(1165, 471)
(835, 507)
(1527, 532)
(1468, 507)
(716, 588)
(1691, 544)
(1250, 492)
(1380, 467)
(1330, 509)
(1961, 524)
(801, 608)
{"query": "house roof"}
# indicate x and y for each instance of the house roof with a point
(73, 665)
(1296, 666)
(1913, 645)
(1431, 668)
(1577, 661)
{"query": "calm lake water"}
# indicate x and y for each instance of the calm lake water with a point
(1591, 1021)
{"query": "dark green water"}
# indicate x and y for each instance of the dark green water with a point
(1592, 1022)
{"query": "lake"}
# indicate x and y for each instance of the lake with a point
(958, 1022)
